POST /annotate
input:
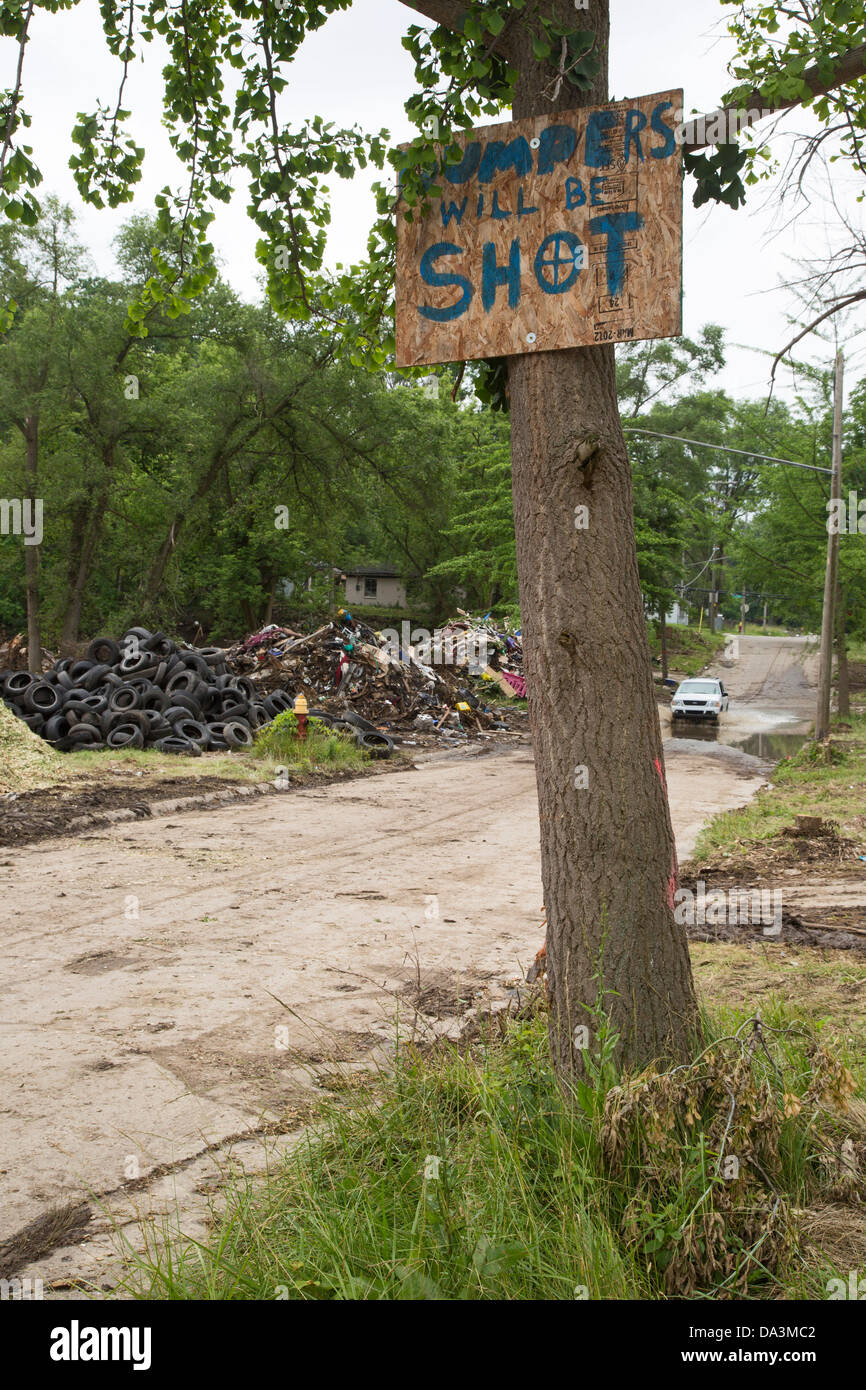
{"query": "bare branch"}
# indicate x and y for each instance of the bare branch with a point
(835, 308)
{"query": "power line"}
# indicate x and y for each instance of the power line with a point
(725, 449)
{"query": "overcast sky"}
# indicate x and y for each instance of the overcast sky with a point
(354, 70)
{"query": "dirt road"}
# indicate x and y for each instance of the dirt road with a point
(171, 982)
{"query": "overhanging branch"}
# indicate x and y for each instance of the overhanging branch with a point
(847, 68)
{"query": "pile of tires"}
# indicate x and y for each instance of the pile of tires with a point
(366, 735)
(142, 692)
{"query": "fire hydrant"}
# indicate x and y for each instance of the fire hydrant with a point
(301, 710)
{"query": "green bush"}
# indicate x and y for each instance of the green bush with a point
(279, 742)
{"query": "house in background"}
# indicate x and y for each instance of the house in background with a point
(381, 586)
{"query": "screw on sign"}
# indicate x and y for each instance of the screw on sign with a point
(546, 233)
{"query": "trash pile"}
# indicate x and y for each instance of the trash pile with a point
(147, 691)
(144, 692)
(431, 685)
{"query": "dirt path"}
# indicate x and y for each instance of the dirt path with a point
(170, 982)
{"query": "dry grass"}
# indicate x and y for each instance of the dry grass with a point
(26, 761)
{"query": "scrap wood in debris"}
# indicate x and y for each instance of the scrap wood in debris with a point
(352, 667)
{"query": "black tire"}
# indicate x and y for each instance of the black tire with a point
(33, 721)
(42, 698)
(74, 711)
(95, 676)
(181, 699)
(237, 735)
(95, 703)
(80, 669)
(193, 662)
(258, 716)
(174, 712)
(157, 724)
(277, 702)
(235, 709)
(104, 651)
(115, 718)
(191, 730)
(138, 634)
(357, 722)
(83, 736)
(126, 736)
(125, 698)
(183, 679)
(173, 744)
(212, 656)
(144, 664)
(64, 680)
(56, 729)
(160, 645)
(18, 683)
(376, 744)
(244, 685)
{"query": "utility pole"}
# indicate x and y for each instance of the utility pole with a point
(743, 612)
(765, 615)
(822, 719)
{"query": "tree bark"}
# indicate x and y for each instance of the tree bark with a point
(608, 856)
(31, 552)
(80, 568)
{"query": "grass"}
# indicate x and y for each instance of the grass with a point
(470, 1174)
(804, 784)
(279, 744)
(27, 763)
(689, 651)
(758, 630)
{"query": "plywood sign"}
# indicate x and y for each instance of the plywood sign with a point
(552, 232)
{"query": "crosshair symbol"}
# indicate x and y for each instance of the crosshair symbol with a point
(560, 254)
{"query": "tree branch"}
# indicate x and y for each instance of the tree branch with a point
(847, 68)
(447, 12)
(834, 309)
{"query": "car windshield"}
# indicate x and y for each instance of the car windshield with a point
(699, 688)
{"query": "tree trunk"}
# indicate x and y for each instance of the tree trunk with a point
(269, 603)
(843, 680)
(31, 552)
(663, 636)
(85, 546)
(607, 848)
(80, 568)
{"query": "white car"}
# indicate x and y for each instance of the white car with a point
(699, 699)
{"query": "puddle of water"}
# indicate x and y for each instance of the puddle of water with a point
(771, 747)
(768, 746)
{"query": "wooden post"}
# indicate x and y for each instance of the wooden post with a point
(822, 719)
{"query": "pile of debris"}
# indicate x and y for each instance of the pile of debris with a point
(146, 691)
(438, 683)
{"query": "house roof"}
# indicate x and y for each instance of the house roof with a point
(351, 572)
